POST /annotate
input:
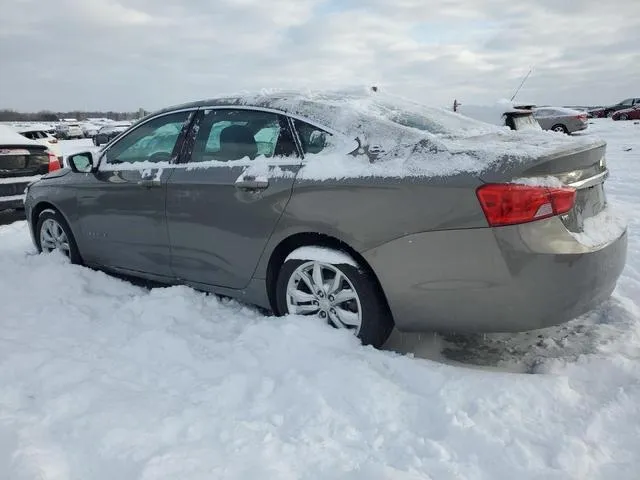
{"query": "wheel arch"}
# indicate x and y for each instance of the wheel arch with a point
(297, 240)
(40, 207)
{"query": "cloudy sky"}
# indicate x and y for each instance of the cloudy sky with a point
(126, 54)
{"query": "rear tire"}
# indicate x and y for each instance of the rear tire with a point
(53, 233)
(560, 128)
(364, 312)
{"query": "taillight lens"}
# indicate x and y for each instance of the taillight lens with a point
(54, 163)
(582, 117)
(511, 204)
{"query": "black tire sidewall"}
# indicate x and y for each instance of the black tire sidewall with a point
(377, 323)
(74, 254)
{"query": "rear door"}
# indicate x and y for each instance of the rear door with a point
(121, 207)
(223, 205)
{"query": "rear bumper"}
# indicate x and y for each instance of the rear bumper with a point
(495, 280)
(13, 202)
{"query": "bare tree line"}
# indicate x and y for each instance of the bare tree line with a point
(7, 115)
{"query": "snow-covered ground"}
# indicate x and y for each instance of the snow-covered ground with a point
(102, 379)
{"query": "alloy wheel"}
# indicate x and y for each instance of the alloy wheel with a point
(53, 237)
(321, 289)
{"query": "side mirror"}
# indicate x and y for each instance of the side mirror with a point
(81, 162)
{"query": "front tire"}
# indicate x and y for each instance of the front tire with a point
(623, 116)
(340, 294)
(53, 233)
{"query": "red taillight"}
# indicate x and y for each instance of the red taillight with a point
(582, 117)
(54, 163)
(510, 204)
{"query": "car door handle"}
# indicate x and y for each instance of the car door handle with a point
(250, 182)
(149, 183)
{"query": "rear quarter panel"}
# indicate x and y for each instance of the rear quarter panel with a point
(367, 212)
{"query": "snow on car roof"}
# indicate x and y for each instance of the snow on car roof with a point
(35, 127)
(414, 139)
(9, 136)
(561, 110)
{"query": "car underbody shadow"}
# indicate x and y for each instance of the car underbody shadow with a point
(526, 352)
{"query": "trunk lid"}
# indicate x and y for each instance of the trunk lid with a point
(19, 166)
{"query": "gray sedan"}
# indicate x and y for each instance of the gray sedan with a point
(362, 212)
(559, 119)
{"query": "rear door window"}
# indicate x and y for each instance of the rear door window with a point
(228, 135)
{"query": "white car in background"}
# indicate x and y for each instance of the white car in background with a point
(40, 134)
(67, 131)
(89, 130)
(516, 116)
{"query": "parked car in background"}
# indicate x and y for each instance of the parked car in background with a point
(68, 131)
(109, 132)
(360, 211)
(40, 135)
(632, 113)
(610, 110)
(22, 161)
(89, 130)
(560, 119)
(503, 113)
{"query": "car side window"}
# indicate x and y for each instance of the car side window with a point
(228, 134)
(313, 139)
(153, 141)
(629, 102)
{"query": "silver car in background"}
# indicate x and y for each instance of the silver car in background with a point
(560, 119)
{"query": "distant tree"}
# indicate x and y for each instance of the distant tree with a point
(47, 116)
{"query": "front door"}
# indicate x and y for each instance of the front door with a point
(122, 208)
(223, 205)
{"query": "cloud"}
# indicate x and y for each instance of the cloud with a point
(106, 54)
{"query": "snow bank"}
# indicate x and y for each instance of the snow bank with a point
(102, 379)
